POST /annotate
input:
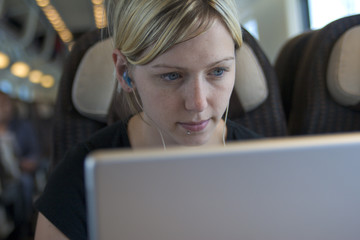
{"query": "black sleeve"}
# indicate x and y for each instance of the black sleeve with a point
(63, 200)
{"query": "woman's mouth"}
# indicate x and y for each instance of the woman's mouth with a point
(194, 126)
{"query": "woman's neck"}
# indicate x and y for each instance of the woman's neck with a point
(142, 134)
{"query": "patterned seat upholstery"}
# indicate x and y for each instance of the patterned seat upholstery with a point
(287, 66)
(267, 119)
(70, 127)
(305, 65)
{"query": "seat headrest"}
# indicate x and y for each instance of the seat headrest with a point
(343, 74)
(250, 84)
(94, 82)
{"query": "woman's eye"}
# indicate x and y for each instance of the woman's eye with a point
(170, 76)
(218, 72)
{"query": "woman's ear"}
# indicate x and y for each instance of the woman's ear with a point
(121, 66)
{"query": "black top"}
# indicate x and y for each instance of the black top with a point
(63, 201)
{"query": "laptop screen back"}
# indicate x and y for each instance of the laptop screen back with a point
(301, 188)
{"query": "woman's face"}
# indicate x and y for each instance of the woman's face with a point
(186, 89)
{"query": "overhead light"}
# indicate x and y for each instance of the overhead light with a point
(97, 2)
(47, 81)
(4, 60)
(43, 3)
(20, 69)
(56, 21)
(99, 13)
(71, 45)
(35, 76)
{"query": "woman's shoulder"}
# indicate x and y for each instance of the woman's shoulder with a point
(64, 195)
(236, 131)
(112, 136)
(109, 137)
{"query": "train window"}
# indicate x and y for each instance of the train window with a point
(252, 27)
(322, 12)
(24, 93)
(6, 87)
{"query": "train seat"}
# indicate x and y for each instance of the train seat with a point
(326, 84)
(287, 66)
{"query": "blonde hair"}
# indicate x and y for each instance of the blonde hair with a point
(145, 29)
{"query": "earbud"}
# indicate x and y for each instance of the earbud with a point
(127, 79)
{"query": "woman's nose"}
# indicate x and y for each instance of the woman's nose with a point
(196, 96)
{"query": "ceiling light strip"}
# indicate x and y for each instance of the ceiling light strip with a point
(99, 13)
(56, 21)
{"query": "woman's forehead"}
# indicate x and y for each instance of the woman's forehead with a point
(212, 45)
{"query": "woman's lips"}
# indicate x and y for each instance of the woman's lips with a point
(194, 126)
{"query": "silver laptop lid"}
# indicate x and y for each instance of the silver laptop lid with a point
(300, 188)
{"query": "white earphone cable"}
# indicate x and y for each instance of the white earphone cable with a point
(156, 127)
(224, 129)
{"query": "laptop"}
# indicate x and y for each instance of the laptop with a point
(291, 188)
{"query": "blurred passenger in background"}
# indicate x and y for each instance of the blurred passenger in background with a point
(18, 163)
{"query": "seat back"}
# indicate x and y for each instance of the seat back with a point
(326, 83)
(70, 126)
(287, 65)
(88, 87)
(267, 117)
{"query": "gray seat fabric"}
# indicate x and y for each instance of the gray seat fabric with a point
(310, 106)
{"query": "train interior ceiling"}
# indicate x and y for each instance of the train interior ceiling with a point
(28, 34)
(38, 36)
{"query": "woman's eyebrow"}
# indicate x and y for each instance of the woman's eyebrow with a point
(164, 65)
(220, 61)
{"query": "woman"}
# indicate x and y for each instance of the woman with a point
(175, 61)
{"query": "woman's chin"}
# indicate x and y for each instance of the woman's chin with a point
(194, 141)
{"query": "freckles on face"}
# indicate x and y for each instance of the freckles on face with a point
(189, 86)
